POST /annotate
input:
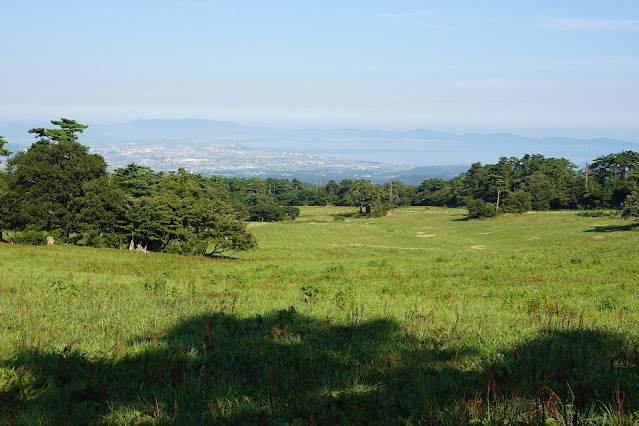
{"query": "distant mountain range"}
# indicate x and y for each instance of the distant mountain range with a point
(155, 129)
(432, 151)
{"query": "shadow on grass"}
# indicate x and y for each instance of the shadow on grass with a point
(612, 228)
(463, 219)
(346, 215)
(286, 367)
(597, 214)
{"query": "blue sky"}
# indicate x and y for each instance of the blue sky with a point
(536, 68)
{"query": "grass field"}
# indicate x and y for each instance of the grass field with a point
(417, 317)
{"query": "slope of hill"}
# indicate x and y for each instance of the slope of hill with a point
(414, 317)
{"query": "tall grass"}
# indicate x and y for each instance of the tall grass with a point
(419, 316)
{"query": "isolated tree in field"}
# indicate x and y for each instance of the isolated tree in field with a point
(367, 197)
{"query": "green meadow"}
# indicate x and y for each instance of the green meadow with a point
(417, 317)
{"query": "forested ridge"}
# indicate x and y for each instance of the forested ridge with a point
(58, 188)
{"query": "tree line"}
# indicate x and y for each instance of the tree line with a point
(58, 188)
(535, 182)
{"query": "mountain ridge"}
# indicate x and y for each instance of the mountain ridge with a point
(157, 128)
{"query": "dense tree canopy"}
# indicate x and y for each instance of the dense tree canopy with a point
(57, 186)
(535, 182)
(45, 182)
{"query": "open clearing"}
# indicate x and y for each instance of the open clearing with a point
(520, 318)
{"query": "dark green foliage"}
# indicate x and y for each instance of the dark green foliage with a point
(44, 183)
(312, 294)
(64, 286)
(396, 193)
(433, 192)
(540, 188)
(32, 236)
(616, 167)
(67, 132)
(631, 206)
(225, 234)
(266, 213)
(291, 212)
(56, 185)
(538, 183)
(367, 197)
(478, 209)
(102, 207)
(3, 151)
(137, 181)
(182, 220)
(271, 212)
(516, 202)
(94, 238)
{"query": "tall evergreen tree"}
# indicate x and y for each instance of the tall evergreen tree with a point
(45, 182)
(3, 151)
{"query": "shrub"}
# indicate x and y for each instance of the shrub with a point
(266, 213)
(479, 208)
(32, 236)
(631, 206)
(291, 212)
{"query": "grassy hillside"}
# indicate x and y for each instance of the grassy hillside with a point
(417, 316)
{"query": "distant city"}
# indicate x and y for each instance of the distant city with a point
(314, 156)
(231, 159)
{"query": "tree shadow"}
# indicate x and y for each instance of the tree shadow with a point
(287, 367)
(612, 228)
(345, 215)
(571, 370)
(597, 214)
(463, 219)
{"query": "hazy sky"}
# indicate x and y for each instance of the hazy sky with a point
(531, 67)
